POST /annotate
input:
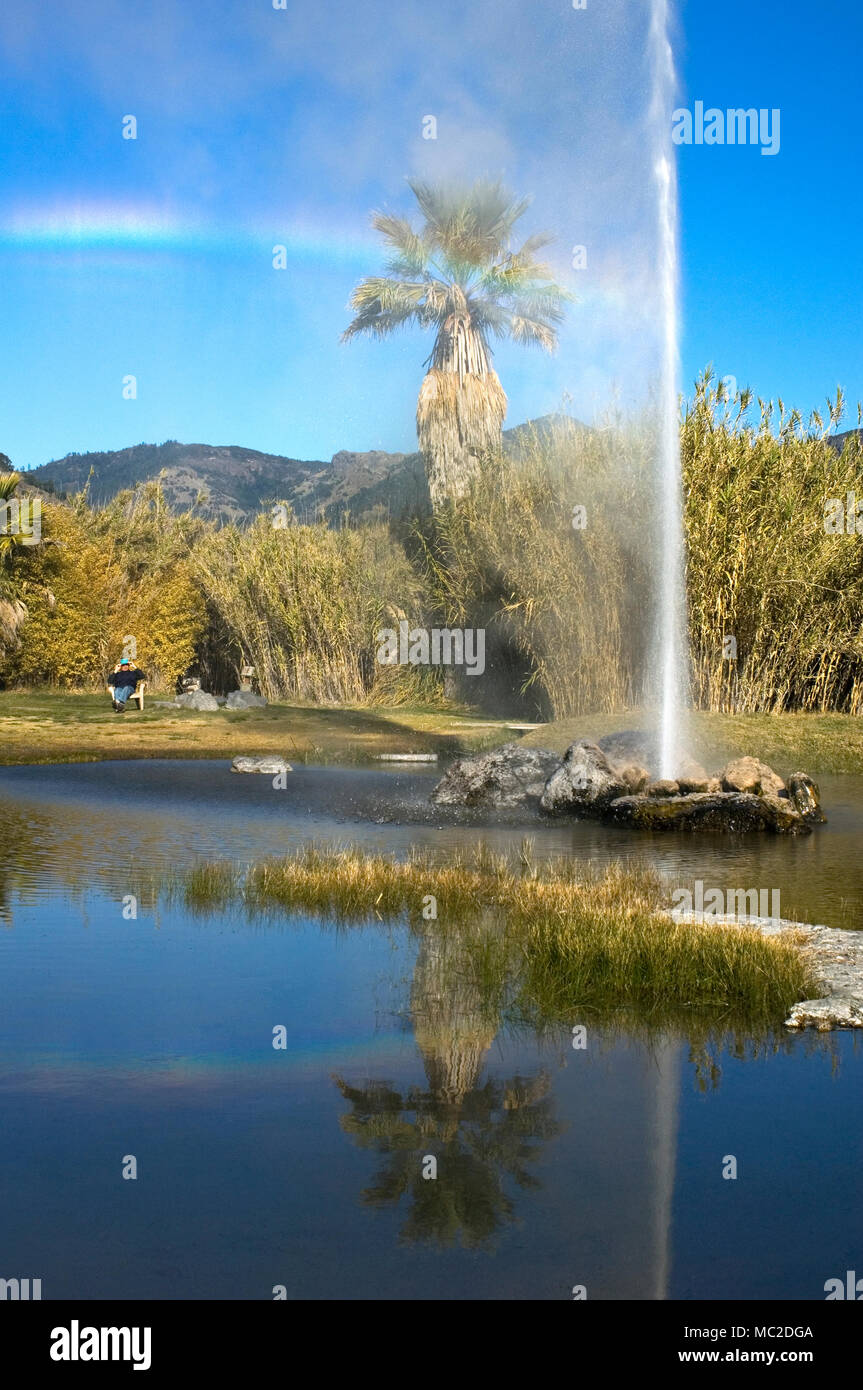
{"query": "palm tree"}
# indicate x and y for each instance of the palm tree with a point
(459, 276)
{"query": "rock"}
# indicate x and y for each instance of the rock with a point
(196, 699)
(585, 782)
(834, 1011)
(631, 746)
(505, 777)
(728, 812)
(245, 699)
(750, 775)
(269, 765)
(664, 787)
(805, 797)
(693, 778)
(633, 777)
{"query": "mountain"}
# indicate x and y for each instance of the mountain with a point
(840, 440)
(235, 483)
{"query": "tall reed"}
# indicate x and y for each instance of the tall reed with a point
(304, 605)
(762, 570)
(569, 599)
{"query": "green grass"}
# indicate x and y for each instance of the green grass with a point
(812, 743)
(50, 727)
(554, 938)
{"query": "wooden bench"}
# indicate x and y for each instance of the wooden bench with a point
(137, 697)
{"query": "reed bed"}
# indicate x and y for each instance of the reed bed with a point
(761, 566)
(567, 599)
(565, 937)
(304, 604)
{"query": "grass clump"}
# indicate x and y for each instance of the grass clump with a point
(558, 938)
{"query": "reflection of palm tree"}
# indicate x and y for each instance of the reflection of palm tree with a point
(480, 1134)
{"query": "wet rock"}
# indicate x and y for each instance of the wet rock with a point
(584, 783)
(727, 812)
(196, 699)
(663, 787)
(505, 777)
(750, 775)
(245, 699)
(805, 797)
(834, 1011)
(633, 777)
(693, 778)
(631, 746)
(268, 765)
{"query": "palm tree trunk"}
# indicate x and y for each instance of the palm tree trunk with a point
(459, 418)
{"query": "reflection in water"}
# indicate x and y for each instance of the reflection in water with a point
(185, 810)
(663, 1145)
(113, 1030)
(480, 1132)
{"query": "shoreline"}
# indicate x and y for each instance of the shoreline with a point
(836, 954)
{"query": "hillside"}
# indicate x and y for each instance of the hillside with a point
(234, 482)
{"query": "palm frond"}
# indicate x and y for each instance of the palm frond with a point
(384, 304)
(533, 332)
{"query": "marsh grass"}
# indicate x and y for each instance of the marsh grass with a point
(761, 566)
(574, 605)
(550, 935)
(567, 603)
(304, 604)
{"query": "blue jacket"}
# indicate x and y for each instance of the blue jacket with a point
(129, 676)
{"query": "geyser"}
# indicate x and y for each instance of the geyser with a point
(671, 647)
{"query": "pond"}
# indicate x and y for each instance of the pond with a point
(300, 1168)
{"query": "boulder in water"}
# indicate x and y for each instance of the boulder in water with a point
(750, 775)
(633, 777)
(505, 777)
(271, 765)
(665, 786)
(727, 812)
(805, 797)
(692, 777)
(584, 783)
(630, 746)
(833, 1011)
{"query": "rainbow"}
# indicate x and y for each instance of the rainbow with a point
(95, 230)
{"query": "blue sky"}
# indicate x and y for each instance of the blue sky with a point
(259, 127)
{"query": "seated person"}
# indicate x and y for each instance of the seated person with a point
(122, 683)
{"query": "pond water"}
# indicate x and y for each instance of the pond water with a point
(151, 1037)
